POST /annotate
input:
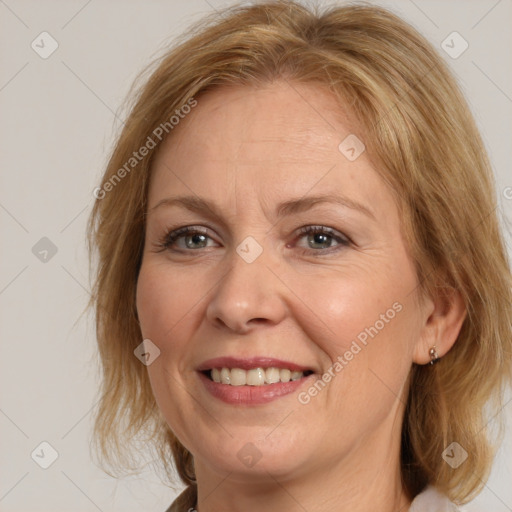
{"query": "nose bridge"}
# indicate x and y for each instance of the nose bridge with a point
(248, 293)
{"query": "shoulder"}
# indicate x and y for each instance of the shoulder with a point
(431, 500)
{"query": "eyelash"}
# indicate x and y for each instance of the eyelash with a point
(171, 237)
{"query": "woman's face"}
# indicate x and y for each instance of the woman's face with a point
(246, 288)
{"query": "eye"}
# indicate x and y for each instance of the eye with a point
(186, 238)
(322, 237)
(192, 238)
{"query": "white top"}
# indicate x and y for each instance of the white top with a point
(431, 500)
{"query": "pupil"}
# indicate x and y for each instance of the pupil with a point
(320, 238)
(195, 239)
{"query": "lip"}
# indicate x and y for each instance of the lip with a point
(247, 363)
(251, 395)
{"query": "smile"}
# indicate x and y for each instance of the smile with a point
(254, 376)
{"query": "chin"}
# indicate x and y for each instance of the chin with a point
(253, 454)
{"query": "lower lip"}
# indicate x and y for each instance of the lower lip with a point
(251, 395)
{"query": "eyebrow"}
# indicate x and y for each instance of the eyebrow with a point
(286, 208)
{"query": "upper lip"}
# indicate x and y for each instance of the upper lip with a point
(248, 363)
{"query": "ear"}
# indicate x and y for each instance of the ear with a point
(442, 322)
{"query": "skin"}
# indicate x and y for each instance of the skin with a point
(302, 300)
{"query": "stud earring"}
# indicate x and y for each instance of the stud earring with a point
(434, 356)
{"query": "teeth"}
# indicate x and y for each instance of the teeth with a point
(272, 375)
(285, 375)
(253, 377)
(225, 376)
(238, 377)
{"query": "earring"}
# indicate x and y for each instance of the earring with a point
(434, 356)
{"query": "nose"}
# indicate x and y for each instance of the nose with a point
(248, 295)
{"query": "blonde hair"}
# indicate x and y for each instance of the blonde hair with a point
(421, 137)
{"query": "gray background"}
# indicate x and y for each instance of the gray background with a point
(58, 120)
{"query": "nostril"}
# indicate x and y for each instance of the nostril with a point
(258, 320)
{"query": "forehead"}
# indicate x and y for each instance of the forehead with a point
(276, 140)
(288, 116)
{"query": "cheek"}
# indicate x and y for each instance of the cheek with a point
(353, 309)
(366, 336)
(165, 309)
(162, 300)
(365, 325)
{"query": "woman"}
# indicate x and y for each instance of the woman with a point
(303, 297)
